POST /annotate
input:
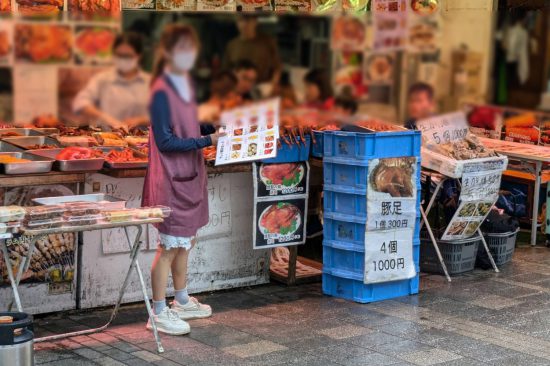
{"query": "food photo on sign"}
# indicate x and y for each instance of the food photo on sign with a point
(281, 179)
(348, 74)
(280, 222)
(349, 33)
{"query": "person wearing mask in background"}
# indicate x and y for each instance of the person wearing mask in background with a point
(260, 49)
(117, 98)
(420, 104)
(318, 91)
(247, 76)
(176, 176)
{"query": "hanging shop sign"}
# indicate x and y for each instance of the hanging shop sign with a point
(479, 192)
(251, 133)
(280, 204)
(391, 219)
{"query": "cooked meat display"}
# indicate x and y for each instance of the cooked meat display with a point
(393, 176)
(468, 148)
(280, 218)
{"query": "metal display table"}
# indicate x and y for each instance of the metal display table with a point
(535, 155)
(134, 250)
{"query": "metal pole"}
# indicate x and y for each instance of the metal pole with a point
(434, 242)
(488, 251)
(10, 276)
(538, 169)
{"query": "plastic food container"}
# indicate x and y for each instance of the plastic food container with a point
(81, 208)
(12, 213)
(152, 212)
(10, 227)
(44, 212)
(44, 224)
(82, 220)
(119, 216)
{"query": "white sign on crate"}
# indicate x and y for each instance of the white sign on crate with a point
(388, 256)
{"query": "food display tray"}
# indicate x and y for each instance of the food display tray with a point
(70, 165)
(450, 167)
(7, 147)
(37, 164)
(107, 202)
(124, 165)
(47, 131)
(25, 142)
(19, 131)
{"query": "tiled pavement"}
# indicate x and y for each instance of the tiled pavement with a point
(480, 319)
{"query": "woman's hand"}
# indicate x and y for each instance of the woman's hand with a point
(215, 137)
(114, 123)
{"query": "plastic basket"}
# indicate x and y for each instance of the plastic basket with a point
(345, 200)
(317, 146)
(501, 245)
(459, 255)
(291, 153)
(365, 146)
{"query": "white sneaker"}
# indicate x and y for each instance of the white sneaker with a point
(169, 322)
(192, 310)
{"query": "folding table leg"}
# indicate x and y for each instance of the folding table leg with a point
(433, 198)
(434, 242)
(538, 172)
(145, 296)
(10, 276)
(487, 250)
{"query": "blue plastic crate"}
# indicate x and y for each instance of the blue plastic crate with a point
(341, 174)
(363, 146)
(350, 257)
(346, 228)
(350, 201)
(342, 286)
(317, 146)
(291, 153)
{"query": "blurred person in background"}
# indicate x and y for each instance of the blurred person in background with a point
(258, 48)
(345, 104)
(420, 104)
(117, 98)
(247, 76)
(318, 91)
(223, 94)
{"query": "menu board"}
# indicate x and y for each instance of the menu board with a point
(216, 5)
(392, 199)
(280, 204)
(479, 192)
(251, 133)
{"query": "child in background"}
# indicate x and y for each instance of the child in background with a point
(345, 105)
(420, 105)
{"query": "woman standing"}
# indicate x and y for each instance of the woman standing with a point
(117, 98)
(176, 176)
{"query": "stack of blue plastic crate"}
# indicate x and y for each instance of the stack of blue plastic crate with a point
(346, 157)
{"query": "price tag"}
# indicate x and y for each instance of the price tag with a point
(444, 128)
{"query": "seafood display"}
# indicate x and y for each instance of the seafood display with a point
(78, 153)
(280, 218)
(110, 139)
(394, 176)
(124, 156)
(521, 127)
(468, 148)
(43, 43)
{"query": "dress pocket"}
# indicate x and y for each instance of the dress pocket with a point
(187, 191)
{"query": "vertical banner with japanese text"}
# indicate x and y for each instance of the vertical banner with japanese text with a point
(391, 219)
(480, 186)
(280, 204)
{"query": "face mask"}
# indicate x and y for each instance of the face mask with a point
(185, 60)
(124, 64)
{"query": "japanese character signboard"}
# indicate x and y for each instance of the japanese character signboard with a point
(391, 206)
(280, 204)
(480, 186)
(444, 128)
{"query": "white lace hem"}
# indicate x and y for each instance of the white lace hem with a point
(172, 242)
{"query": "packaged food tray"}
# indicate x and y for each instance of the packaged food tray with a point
(81, 208)
(459, 255)
(501, 245)
(33, 164)
(37, 213)
(104, 201)
(119, 216)
(350, 257)
(45, 224)
(11, 213)
(365, 146)
(450, 167)
(153, 212)
(291, 153)
(82, 220)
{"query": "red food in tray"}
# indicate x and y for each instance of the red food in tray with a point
(78, 153)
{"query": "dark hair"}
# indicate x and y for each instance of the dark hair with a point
(421, 87)
(244, 64)
(223, 82)
(319, 78)
(347, 102)
(132, 39)
(171, 34)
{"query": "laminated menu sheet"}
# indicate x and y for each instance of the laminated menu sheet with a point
(251, 133)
